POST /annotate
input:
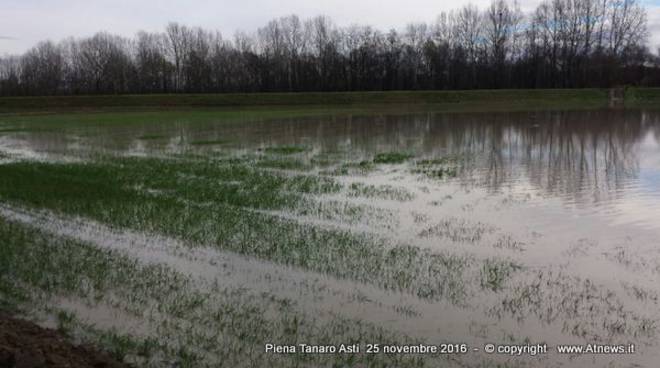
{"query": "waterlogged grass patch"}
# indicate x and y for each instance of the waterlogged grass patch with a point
(344, 212)
(641, 293)
(209, 142)
(458, 230)
(327, 159)
(332, 156)
(437, 168)
(446, 160)
(495, 273)
(391, 157)
(152, 137)
(158, 118)
(327, 240)
(185, 322)
(507, 241)
(64, 266)
(285, 150)
(586, 309)
(352, 168)
(437, 172)
(23, 130)
(113, 181)
(201, 203)
(380, 191)
(11, 130)
(283, 164)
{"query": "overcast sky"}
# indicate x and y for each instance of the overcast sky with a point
(25, 22)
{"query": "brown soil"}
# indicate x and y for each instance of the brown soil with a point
(26, 345)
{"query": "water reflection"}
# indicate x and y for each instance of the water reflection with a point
(584, 157)
(579, 173)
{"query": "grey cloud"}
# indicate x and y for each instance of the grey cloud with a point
(63, 18)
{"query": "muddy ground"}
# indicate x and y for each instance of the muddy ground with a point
(26, 345)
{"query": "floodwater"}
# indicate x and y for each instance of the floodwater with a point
(571, 197)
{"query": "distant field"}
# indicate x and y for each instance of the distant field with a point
(644, 97)
(446, 100)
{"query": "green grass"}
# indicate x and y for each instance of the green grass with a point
(510, 99)
(436, 172)
(494, 275)
(209, 142)
(391, 158)
(211, 202)
(22, 130)
(643, 97)
(580, 305)
(345, 212)
(152, 137)
(264, 206)
(437, 168)
(283, 164)
(352, 168)
(285, 150)
(388, 192)
(69, 120)
(448, 160)
(190, 325)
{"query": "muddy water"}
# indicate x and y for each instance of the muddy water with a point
(602, 165)
(568, 196)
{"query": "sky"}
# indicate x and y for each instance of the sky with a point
(23, 23)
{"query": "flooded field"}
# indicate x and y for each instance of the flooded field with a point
(189, 239)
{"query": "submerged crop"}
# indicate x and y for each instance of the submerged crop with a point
(196, 239)
(183, 321)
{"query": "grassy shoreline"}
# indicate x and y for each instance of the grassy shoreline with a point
(473, 99)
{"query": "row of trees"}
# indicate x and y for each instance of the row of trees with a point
(562, 44)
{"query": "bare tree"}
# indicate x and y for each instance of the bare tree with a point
(562, 43)
(178, 37)
(151, 62)
(10, 76)
(627, 25)
(42, 68)
(468, 35)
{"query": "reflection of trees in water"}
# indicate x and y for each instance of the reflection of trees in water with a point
(577, 154)
(584, 154)
(40, 141)
(651, 120)
(581, 154)
(588, 153)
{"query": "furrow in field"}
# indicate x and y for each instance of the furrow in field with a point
(312, 291)
(326, 297)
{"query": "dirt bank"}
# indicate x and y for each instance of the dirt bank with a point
(26, 345)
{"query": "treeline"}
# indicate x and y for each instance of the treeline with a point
(562, 44)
